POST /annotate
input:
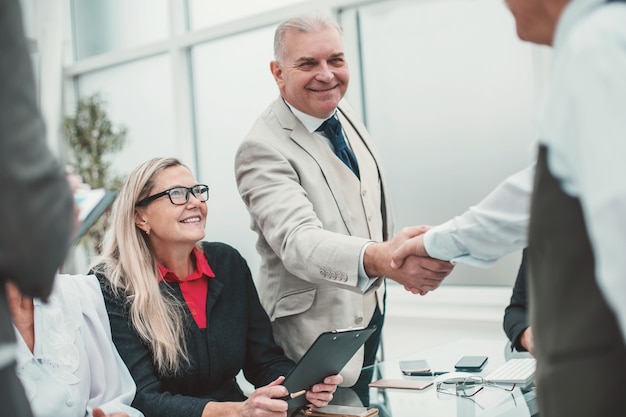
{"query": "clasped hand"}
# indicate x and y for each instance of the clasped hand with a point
(404, 259)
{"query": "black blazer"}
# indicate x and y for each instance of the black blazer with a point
(516, 313)
(36, 203)
(238, 336)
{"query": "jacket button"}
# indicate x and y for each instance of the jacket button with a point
(359, 320)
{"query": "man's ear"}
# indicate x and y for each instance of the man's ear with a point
(277, 71)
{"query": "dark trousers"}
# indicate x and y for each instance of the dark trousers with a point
(12, 396)
(371, 347)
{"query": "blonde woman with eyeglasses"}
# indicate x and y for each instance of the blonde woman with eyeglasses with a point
(185, 315)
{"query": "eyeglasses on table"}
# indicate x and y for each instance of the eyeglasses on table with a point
(468, 386)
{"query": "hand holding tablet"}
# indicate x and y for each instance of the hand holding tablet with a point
(327, 356)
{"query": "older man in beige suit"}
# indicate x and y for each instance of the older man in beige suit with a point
(323, 228)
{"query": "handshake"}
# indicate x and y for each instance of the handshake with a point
(404, 259)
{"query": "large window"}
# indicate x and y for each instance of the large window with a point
(105, 26)
(449, 98)
(231, 90)
(205, 13)
(447, 90)
(139, 96)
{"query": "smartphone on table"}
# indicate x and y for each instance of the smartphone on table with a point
(471, 363)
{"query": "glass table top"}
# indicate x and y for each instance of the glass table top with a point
(489, 401)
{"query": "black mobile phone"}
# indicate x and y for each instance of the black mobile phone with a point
(471, 363)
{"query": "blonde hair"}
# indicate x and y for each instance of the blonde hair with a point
(308, 23)
(129, 265)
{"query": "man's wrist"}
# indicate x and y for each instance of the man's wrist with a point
(362, 271)
(371, 259)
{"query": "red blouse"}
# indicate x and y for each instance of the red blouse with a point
(194, 287)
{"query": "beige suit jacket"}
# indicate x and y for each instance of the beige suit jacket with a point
(312, 216)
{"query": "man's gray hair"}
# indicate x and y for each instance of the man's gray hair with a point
(307, 23)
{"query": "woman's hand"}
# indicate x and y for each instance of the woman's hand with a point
(321, 394)
(267, 401)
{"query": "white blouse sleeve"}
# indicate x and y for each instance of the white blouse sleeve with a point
(496, 226)
(112, 387)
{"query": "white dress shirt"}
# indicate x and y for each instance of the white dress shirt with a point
(583, 123)
(494, 227)
(74, 365)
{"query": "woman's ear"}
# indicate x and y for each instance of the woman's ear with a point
(141, 222)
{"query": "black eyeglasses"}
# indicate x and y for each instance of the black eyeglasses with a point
(178, 195)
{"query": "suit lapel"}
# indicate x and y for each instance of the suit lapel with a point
(330, 166)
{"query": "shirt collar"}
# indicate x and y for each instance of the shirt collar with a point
(573, 12)
(310, 123)
(202, 269)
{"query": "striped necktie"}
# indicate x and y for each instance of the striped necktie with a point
(332, 129)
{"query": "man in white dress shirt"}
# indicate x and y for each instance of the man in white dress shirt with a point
(577, 229)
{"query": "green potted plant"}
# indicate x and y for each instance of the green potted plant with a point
(92, 139)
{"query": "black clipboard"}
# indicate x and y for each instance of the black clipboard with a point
(330, 352)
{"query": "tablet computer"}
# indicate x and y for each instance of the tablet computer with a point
(92, 205)
(327, 356)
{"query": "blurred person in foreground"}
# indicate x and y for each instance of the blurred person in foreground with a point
(575, 219)
(36, 205)
(66, 359)
(185, 315)
(312, 180)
